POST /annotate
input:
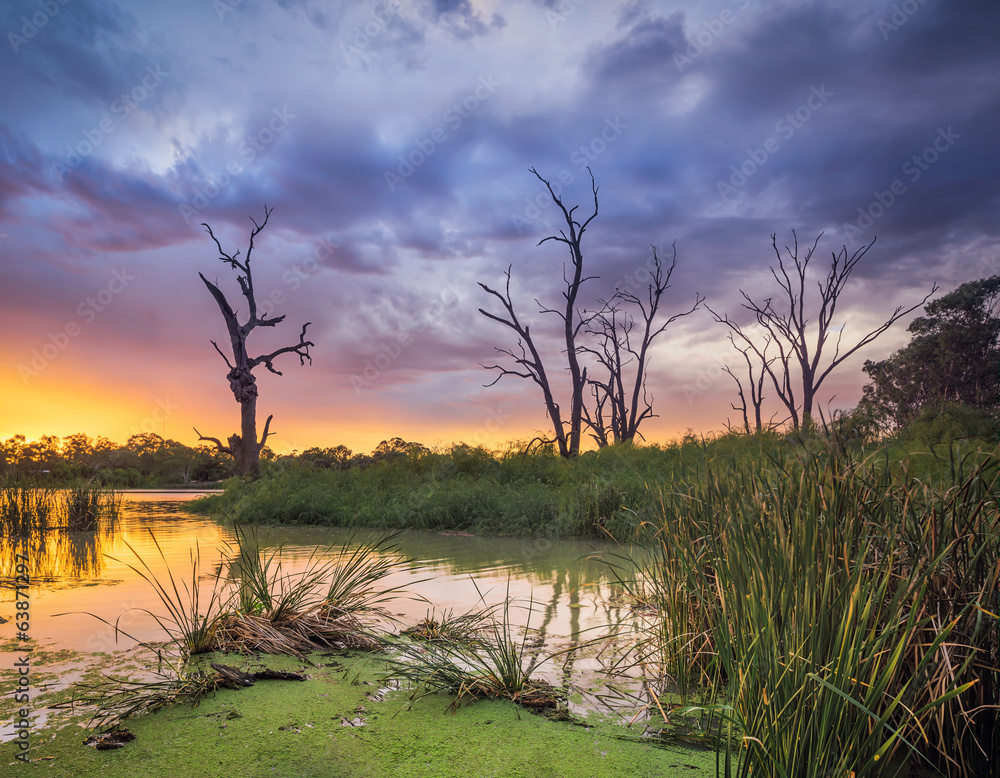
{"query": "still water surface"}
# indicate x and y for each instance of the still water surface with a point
(572, 594)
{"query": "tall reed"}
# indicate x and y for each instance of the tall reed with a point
(261, 587)
(24, 507)
(84, 505)
(190, 621)
(843, 606)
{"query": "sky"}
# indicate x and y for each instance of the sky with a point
(395, 141)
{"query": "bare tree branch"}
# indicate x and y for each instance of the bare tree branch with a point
(628, 399)
(218, 444)
(801, 346)
(567, 432)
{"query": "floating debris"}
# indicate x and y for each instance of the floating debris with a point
(116, 738)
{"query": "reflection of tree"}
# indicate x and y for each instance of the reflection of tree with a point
(537, 560)
(566, 581)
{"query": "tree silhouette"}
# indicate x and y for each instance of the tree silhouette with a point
(527, 360)
(244, 447)
(621, 400)
(786, 324)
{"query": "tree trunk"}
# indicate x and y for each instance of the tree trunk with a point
(247, 453)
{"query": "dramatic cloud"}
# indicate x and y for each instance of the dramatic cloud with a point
(395, 139)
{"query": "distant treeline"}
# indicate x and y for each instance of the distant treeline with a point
(150, 460)
(144, 460)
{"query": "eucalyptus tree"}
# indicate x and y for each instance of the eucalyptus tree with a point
(244, 446)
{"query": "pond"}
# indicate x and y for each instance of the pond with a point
(80, 578)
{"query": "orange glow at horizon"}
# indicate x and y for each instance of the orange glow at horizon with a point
(102, 387)
(100, 411)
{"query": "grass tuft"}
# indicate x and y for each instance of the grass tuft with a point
(495, 665)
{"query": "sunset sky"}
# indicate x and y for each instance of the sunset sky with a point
(394, 142)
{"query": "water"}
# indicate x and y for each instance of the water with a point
(83, 578)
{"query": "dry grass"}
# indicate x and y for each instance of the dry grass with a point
(296, 635)
(496, 665)
(467, 628)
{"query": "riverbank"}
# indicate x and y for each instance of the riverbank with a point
(344, 722)
(616, 491)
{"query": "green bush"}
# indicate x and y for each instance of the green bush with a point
(952, 421)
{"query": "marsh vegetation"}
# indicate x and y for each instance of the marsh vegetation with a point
(835, 613)
(60, 529)
(804, 606)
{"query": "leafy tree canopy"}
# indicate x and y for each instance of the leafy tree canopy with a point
(953, 358)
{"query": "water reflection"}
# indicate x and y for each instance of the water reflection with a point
(541, 560)
(55, 555)
(53, 550)
(563, 594)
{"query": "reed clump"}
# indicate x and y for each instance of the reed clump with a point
(62, 532)
(85, 505)
(467, 628)
(472, 656)
(843, 609)
(24, 506)
(27, 507)
(251, 604)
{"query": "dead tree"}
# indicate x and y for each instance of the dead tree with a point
(621, 401)
(526, 358)
(755, 385)
(786, 325)
(244, 447)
